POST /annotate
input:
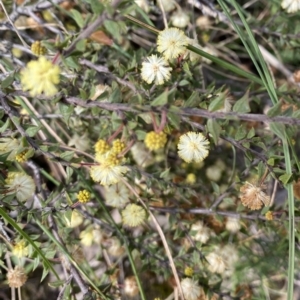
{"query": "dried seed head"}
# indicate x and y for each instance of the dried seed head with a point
(253, 197)
(16, 277)
(130, 286)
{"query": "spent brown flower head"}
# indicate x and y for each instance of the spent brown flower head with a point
(16, 277)
(253, 197)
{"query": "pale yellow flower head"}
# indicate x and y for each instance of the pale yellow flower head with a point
(216, 263)
(76, 219)
(109, 171)
(9, 145)
(199, 232)
(155, 69)
(117, 195)
(172, 42)
(191, 290)
(87, 237)
(107, 174)
(40, 76)
(20, 184)
(290, 6)
(20, 249)
(133, 215)
(193, 146)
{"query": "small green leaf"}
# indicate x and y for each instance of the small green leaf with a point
(113, 28)
(242, 105)
(271, 161)
(251, 133)
(275, 110)
(115, 96)
(165, 174)
(76, 15)
(217, 103)
(5, 125)
(8, 81)
(286, 178)
(96, 6)
(193, 100)
(186, 69)
(174, 119)
(57, 283)
(68, 155)
(162, 99)
(214, 129)
(32, 130)
(66, 111)
(278, 129)
(241, 133)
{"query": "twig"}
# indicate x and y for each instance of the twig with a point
(89, 30)
(185, 111)
(162, 236)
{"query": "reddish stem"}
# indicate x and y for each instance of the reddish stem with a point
(116, 133)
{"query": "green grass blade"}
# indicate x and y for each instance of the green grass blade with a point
(256, 56)
(65, 252)
(26, 237)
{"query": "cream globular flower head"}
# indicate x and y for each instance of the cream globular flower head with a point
(199, 232)
(76, 219)
(172, 42)
(253, 196)
(191, 290)
(40, 76)
(20, 184)
(216, 263)
(109, 171)
(193, 146)
(9, 145)
(290, 6)
(133, 215)
(87, 237)
(117, 195)
(155, 69)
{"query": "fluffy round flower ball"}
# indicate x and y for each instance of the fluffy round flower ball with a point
(199, 232)
(180, 19)
(216, 263)
(40, 76)
(84, 196)
(9, 145)
(133, 215)
(253, 197)
(290, 6)
(16, 277)
(130, 287)
(38, 49)
(155, 140)
(108, 171)
(233, 224)
(101, 147)
(21, 184)
(191, 290)
(193, 146)
(155, 69)
(117, 195)
(172, 42)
